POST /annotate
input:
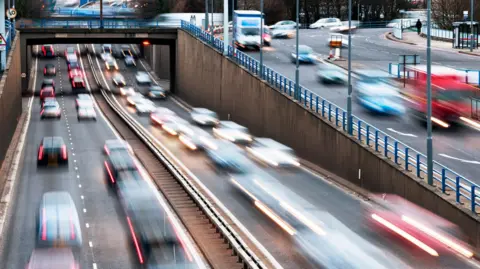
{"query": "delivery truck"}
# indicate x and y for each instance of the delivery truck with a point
(246, 29)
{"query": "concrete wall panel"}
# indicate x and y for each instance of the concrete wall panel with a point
(206, 78)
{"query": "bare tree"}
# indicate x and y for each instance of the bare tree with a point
(445, 12)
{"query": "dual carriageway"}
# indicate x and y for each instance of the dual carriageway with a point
(107, 239)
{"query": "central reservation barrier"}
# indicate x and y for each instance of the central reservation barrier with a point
(316, 128)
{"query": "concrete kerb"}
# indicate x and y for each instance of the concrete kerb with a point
(390, 36)
(469, 53)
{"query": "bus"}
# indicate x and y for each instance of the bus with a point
(451, 97)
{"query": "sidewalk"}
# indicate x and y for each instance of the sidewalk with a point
(412, 38)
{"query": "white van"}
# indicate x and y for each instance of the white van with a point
(326, 23)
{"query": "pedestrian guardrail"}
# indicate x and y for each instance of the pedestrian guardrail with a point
(96, 24)
(475, 108)
(440, 33)
(93, 12)
(407, 158)
(468, 76)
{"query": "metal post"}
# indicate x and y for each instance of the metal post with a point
(2, 31)
(101, 14)
(349, 97)
(206, 15)
(225, 27)
(297, 71)
(233, 37)
(261, 40)
(429, 97)
(471, 26)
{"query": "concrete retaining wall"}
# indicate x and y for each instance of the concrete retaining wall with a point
(158, 57)
(206, 78)
(10, 98)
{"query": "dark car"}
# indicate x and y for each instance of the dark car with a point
(157, 92)
(47, 51)
(120, 165)
(42, 258)
(51, 110)
(49, 82)
(52, 151)
(227, 157)
(115, 145)
(267, 37)
(46, 92)
(107, 48)
(78, 83)
(130, 61)
(126, 51)
(49, 70)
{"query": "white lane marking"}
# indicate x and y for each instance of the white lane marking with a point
(84, 210)
(400, 133)
(185, 237)
(458, 159)
(94, 265)
(90, 244)
(6, 195)
(87, 225)
(240, 225)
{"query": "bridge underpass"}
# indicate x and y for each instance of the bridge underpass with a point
(304, 182)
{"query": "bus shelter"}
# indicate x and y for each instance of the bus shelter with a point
(461, 35)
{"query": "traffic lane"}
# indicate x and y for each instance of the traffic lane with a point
(109, 234)
(33, 182)
(323, 195)
(406, 128)
(278, 243)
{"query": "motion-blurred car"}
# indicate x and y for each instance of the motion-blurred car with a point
(57, 221)
(51, 110)
(121, 165)
(70, 58)
(280, 24)
(47, 51)
(127, 91)
(174, 124)
(195, 138)
(83, 100)
(46, 92)
(284, 31)
(133, 99)
(204, 117)
(73, 65)
(160, 114)
(107, 48)
(52, 151)
(125, 49)
(375, 92)
(49, 100)
(48, 82)
(157, 92)
(78, 83)
(227, 157)
(114, 145)
(49, 70)
(130, 61)
(267, 37)
(329, 73)
(71, 51)
(111, 63)
(143, 78)
(145, 106)
(43, 258)
(75, 73)
(86, 113)
(233, 132)
(149, 223)
(305, 55)
(119, 80)
(326, 23)
(271, 152)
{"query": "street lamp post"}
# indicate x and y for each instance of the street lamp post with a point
(261, 39)
(206, 15)
(429, 98)
(101, 13)
(349, 97)
(225, 27)
(297, 71)
(471, 26)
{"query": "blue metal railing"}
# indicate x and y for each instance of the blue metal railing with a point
(95, 23)
(407, 158)
(93, 12)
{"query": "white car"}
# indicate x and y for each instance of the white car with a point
(86, 113)
(132, 100)
(173, 124)
(127, 91)
(203, 116)
(119, 80)
(161, 115)
(326, 23)
(111, 63)
(130, 61)
(273, 153)
(195, 138)
(329, 73)
(105, 56)
(145, 106)
(143, 78)
(282, 24)
(233, 132)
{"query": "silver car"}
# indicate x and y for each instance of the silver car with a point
(204, 117)
(86, 113)
(233, 132)
(58, 224)
(143, 78)
(329, 73)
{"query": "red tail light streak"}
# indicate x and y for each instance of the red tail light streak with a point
(44, 224)
(109, 172)
(135, 241)
(64, 152)
(40, 153)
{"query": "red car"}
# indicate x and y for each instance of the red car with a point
(78, 83)
(46, 92)
(47, 51)
(75, 73)
(52, 151)
(73, 65)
